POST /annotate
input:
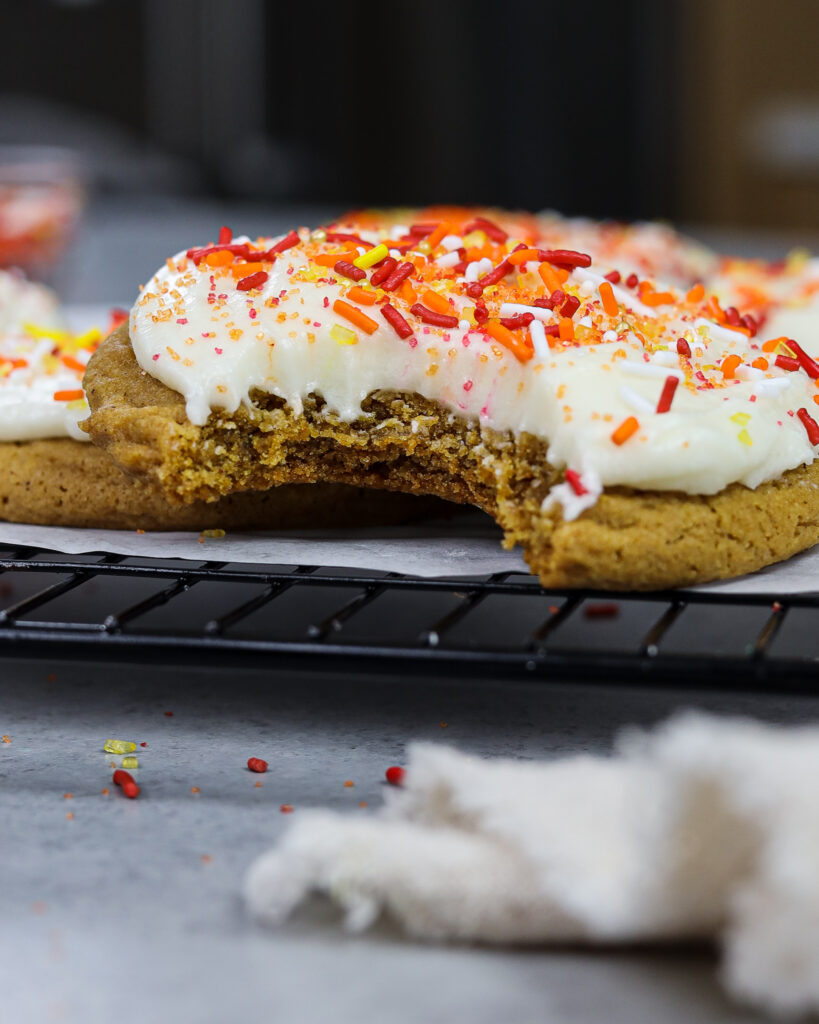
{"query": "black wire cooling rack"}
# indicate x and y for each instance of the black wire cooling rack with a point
(117, 608)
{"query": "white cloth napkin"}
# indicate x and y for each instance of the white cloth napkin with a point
(705, 828)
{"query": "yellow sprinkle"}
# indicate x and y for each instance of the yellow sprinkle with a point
(343, 336)
(119, 747)
(213, 533)
(88, 339)
(744, 437)
(367, 259)
(79, 403)
(44, 332)
(741, 418)
(130, 762)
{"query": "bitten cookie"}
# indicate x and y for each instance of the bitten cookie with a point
(626, 433)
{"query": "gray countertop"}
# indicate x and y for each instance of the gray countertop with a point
(132, 908)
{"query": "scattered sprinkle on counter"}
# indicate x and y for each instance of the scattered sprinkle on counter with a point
(119, 747)
(395, 775)
(256, 764)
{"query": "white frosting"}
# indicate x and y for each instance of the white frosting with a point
(279, 341)
(29, 373)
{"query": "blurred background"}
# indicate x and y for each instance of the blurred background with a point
(174, 115)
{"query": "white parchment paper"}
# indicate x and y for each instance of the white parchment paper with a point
(468, 544)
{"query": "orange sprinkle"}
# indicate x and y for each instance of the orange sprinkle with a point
(774, 343)
(437, 302)
(68, 396)
(549, 277)
(194, 790)
(348, 783)
(355, 316)
(729, 366)
(696, 294)
(760, 364)
(73, 364)
(496, 330)
(105, 791)
(816, 399)
(521, 256)
(6, 738)
(566, 328)
(715, 309)
(408, 293)
(221, 258)
(440, 232)
(246, 269)
(366, 298)
(329, 259)
(286, 808)
(628, 427)
(652, 298)
(608, 299)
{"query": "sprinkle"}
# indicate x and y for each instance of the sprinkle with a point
(119, 747)
(696, 294)
(130, 762)
(538, 338)
(786, 363)
(343, 336)
(648, 369)
(634, 400)
(567, 258)
(283, 244)
(517, 320)
(613, 276)
(68, 396)
(601, 610)
(349, 270)
(489, 228)
(225, 235)
(286, 808)
(570, 306)
(496, 330)
(383, 272)
(729, 366)
(253, 281)
(6, 738)
(362, 295)
(329, 259)
(658, 298)
(395, 775)
(667, 394)
(429, 316)
(773, 344)
(500, 271)
(574, 481)
(810, 367)
(355, 316)
(126, 781)
(632, 280)
(369, 259)
(399, 274)
(810, 425)
(683, 348)
(436, 302)
(396, 321)
(256, 764)
(607, 297)
(566, 329)
(628, 427)
(744, 437)
(348, 784)
(449, 259)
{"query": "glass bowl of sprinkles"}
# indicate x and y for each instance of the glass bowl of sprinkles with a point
(42, 195)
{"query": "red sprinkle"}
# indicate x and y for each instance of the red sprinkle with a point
(429, 316)
(574, 481)
(343, 236)
(399, 274)
(564, 258)
(286, 808)
(347, 269)
(287, 242)
(256, 764)
(490, 229)
(385, 268)
(395, 775)
(495, 275)
(243, 250)
(683, 348)
(570, 306)
(632, 280)
(810, 425)
(422, 230)
(601, 610)
(750, 322)
(253, 281)
(481, 312)
(667, 394)
(516, 321)
(732, 316)
(396, 321)
(613, 276)
(225, 235)
(786, 363)
(810, 367)
(126, 781)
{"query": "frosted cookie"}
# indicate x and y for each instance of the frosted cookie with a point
(50, 475)
(624, 432)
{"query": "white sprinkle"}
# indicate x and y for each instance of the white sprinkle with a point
(513, 308)
(586, 288)
(665, 358)
(395, 253)
(635, 401)
(482, 266)
(610, 336)
(585, 321)
(749, 373)
(772, 386)
(717, 331)
(449, 260)
(650, 370)
(450, 242)
(625, 298)
(538, 336)
(464, 325)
